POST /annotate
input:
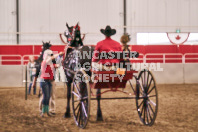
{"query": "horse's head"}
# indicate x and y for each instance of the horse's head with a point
(73, 35)
(46, 45)
(77, 35)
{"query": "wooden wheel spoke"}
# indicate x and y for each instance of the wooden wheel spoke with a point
(150, 96)
(132, 86)
(84, 109)
(142, 110)
(144, 113)
(140, 104)
(152, 102)
(151, 108)
(149, 113)
(151, 90)
(141, 92)
(150, 83)
(142, 81)
(85, 98)
(77, 114)
(76, 100)
(76, 87)
(142, 89)
(147, 79)
(76, 94)
(77, 107)
(80, 115)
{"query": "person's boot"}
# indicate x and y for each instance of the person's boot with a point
(43, 111)
(47, 110)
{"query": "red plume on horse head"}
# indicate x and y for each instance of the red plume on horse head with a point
(77, 27)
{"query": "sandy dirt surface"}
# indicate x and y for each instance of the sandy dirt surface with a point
(178, 105)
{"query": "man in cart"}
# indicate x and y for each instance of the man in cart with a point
(106, 45)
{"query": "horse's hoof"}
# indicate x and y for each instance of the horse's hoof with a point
(99, 118)
(67, 115)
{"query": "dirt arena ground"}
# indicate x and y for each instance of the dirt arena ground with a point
(178, 105)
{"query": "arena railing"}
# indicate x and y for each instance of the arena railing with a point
(24, 60)
(147, 58)
(189, 57)
(163, 57)
(140, 59)
(20, 59)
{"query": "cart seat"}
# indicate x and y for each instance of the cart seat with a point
(109, 79)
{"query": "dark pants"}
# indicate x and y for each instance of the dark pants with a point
(46, 87)
(30, 86)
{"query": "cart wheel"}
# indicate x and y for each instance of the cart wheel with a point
(147, 103)
(81, 98)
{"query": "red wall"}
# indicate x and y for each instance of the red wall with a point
(147, 49)
(22, 50)
(28, 49)
(144, 49)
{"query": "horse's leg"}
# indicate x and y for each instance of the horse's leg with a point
(99, 112)
(67, 113)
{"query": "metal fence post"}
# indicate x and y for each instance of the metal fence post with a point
(183, 59)
(26, 82)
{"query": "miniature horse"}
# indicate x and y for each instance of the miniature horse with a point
(70, 62)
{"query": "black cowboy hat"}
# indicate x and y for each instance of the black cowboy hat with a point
(108, 31)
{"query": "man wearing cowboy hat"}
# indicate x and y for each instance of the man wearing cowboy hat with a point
(106, 45)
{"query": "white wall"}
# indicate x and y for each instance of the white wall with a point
(51, 15)
(7, 21)
(191, 73)
(173, 73)
(11, 75)
(161, 16)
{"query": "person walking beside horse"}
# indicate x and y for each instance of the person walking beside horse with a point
(46, 46)
(47, 76)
